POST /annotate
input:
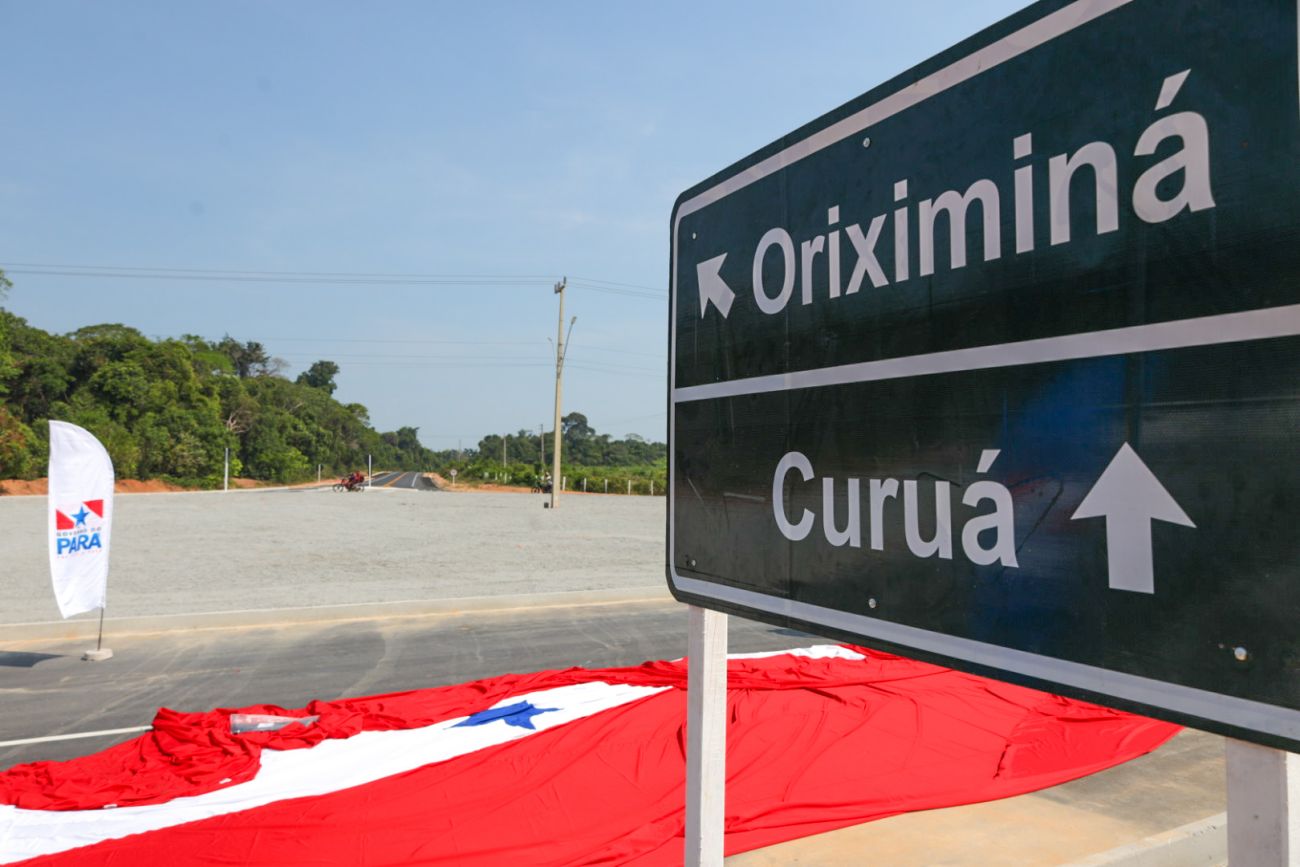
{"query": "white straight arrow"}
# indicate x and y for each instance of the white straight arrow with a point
(1130, 497)
(712, 287)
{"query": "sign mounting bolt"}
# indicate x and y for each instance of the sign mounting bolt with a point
(872, 603)
(1240, 654)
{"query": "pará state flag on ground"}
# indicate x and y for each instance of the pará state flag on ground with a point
(580, 766)
(80, 515)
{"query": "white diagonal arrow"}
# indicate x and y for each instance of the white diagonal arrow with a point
(1130, 497)
(712, 286)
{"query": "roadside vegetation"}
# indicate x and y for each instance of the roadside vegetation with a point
(168, 409)
(629, 465)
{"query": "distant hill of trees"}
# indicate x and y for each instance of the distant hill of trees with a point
(169, 408)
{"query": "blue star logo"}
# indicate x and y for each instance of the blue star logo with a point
(519, 715)
(81, 516)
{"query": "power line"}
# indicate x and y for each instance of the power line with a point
(358, 280)
(619, 371)
(230, 275)
(300, 273)
(265, 273)
(615, 283)
(662, 356)
(334, 355)
(473, 358)
(660, 414)
(612, 370)
(400, 340)
(630, 293)
(392, 340)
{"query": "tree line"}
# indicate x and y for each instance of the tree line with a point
(524, 458)
(581, 445)
(170, 408)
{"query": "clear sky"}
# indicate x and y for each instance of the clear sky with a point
(473, 140)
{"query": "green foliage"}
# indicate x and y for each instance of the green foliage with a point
(320, 375)
(7, 369)
(170, 408)
(17, 443)
(248, 359)
(586, 454)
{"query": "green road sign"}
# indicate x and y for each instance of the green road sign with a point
(998, 364)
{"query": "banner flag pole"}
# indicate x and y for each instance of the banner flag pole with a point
(80, 511)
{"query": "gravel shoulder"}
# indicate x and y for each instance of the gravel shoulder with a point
(205, 552)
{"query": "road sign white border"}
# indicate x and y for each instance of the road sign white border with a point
(1203, 331)
(1202, 704)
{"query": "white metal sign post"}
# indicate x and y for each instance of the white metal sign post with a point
(1263, 805)
(706, 736)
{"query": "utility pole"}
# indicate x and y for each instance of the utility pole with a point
(559, 390)
(503, 452)
(541, 444)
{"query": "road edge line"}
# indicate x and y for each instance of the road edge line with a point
(85, 629)
(1203, 843)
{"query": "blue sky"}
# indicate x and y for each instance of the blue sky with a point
(473, 139)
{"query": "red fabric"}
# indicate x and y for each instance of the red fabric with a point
(812, 745)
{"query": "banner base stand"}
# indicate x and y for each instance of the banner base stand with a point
(97, 655)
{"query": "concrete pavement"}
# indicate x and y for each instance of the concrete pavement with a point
(207, 552)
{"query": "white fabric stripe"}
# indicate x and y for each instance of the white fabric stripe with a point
(329, 766)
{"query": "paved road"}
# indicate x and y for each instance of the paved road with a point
(401, 479)
(199, 552)
(45, 688)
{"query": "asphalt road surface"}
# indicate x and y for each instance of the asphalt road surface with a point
(202, 552)
(46, 689)
(400, 479)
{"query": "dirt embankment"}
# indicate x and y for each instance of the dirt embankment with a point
(21, 487)
(481, 487)
(491, 488)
